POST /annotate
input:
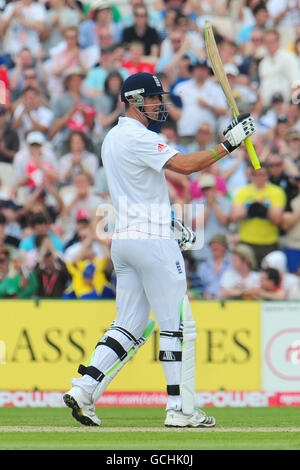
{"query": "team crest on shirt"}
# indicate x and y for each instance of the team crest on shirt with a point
(161, 147)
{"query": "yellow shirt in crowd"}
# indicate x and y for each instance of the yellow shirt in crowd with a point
(260, 231)
(79, 285)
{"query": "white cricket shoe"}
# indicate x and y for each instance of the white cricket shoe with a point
(198, 419)
(83, 409)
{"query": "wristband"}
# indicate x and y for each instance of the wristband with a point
(228, 147)
(215, 154)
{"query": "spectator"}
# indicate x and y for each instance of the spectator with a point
(268, 121)
(182, 6)
(281, 172)
(100, 23)
(37, 171)
(9, 139)
(253, 53)
(177, 46)
(34, 139)
(278, 260)
(259, 207)
(284, 13)
(51, 272)
(204, 138)
(7, 242)
(261, 21)
(292, 150)
(135, 62)
(141, 31)
(83, 203)
(82, 222)
(277, 70)
(94, 82)
(233, 171)
(89, 280)
(279, 133)
(22, 23)
(238, 282)
(182, 70)
(293, 113)
(108, 105)
(68, 55)
(195, 183)
(216, 214)
(87, 262)
(202, 100)
(19, 283)
(247, 98)
(39, 226)
(77, 160)
(211, 271)
(31, 114)
(59, 17)
(12, 213)
(291, 225)
(28, 71)
(270, 287)
(44, 198)
(155, 19)
(73, 111)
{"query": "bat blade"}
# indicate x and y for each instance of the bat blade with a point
(219, 73)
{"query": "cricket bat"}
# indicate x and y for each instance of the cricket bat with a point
(219, 72)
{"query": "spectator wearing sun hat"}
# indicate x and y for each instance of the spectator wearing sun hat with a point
(211, 271)
(214, 216)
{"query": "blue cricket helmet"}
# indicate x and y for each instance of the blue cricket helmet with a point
(141, 83)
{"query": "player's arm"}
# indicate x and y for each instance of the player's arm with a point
(239, 129)
(195, 161)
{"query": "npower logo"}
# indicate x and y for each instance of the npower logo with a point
(282, 354)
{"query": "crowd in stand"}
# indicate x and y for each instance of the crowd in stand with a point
(62, 65)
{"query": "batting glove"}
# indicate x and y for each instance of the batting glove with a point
(238, 130)
(184, 235)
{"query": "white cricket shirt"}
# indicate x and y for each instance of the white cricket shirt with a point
(133, 159)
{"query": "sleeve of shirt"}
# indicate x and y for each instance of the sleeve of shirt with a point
(153, 152)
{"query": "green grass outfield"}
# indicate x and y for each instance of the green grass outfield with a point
(143, 429)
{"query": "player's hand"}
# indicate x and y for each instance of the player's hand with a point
(185, 236)
(239, 129)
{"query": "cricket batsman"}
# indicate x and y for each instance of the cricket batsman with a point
(147, 258)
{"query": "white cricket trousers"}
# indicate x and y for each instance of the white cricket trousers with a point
(150, 275)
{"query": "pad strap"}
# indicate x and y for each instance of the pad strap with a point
(125, 333)
(92, 372)
(170, 356)
(114, 345)
(173, 390)
(172, 334)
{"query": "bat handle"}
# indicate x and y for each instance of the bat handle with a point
(252, 153)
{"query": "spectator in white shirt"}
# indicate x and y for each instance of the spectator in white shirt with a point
(31, 114)
(277, 70)
(202, 101)
(21, 25)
